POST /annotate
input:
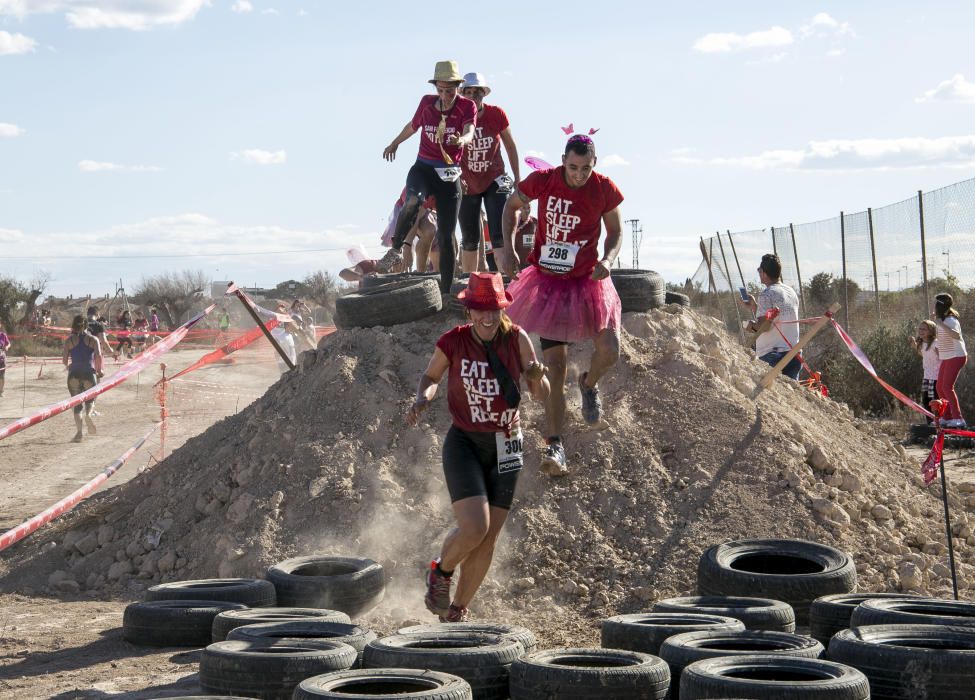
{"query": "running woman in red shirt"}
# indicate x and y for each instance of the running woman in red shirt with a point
(482, 172)
(446, 122)
(565, 294)
(482, 453)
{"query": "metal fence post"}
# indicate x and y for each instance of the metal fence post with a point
(846, 284)
(873, 257)
(795, 253)
(775, 248)
(737, 262)
(741, 331)
(924, 256)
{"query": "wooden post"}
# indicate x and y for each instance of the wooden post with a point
(163, 413)
(707, 261)
(806, 337)
(846, 285)
(795, 254)
(737, 262)
(260, 324)
(873, 257)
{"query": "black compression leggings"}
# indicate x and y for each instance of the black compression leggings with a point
(421, 182)
(470, 217)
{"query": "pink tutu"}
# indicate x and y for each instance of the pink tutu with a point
(567, 309)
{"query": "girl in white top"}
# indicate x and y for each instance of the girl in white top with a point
(925, 346)
(953, 355)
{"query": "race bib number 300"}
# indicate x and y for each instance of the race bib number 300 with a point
(510, 451)
(559, 256)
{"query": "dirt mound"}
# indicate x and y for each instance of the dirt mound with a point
(324, 463)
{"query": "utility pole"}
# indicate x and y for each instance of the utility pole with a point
(637, 233)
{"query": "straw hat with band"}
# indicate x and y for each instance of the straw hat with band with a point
(446, 72)
(485, 292)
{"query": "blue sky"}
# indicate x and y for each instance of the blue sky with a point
(228, 130)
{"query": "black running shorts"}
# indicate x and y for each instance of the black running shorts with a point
(470, 466)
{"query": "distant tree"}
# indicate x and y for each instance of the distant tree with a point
(174, 293)
(13, 295)
(321, 288)
(821, 290)
(290, 289)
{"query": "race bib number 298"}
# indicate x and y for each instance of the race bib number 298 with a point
(559, 256)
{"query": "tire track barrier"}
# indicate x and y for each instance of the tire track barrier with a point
(65, 504)
(128, 370)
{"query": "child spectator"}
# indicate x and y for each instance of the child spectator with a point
(925, 346)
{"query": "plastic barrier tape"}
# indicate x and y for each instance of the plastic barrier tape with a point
(65, 504)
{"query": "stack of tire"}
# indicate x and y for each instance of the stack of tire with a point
(253, 647)
(639, 290)
(388, 300)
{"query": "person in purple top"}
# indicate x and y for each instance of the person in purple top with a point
(4, 345)
(82, 354)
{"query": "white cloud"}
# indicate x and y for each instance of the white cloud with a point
(612, 160)
(110, 14)
(11, 235)
(302, 13)
(10, 130)
(242, 6)
(856, 154)
(835, 53)
(728, 41)
(259, 157)
(824, 24)
(270, 11)
(955, 89)
(12, 44)
(95, 166)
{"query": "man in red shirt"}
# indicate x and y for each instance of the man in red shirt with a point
(446, 122)
(565, 294)
(482, 172)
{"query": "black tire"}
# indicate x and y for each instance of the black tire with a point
(388, 304)
(252, 592)
(756, 613)
(919, 611)
(910, 661)
(920, 434)
(677, 298)
(399, 683)
(794, 571)
(831, 613)
(582, 674)
(269, 668)
(172, 623)
(349, 584)
(682, 650)
(639, 290)
(379, 280)
(353, 635)
(483, 660)
(645, 632)
(772, 678)
(232, 619)
(526, 637)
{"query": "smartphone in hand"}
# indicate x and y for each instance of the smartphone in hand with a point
(744, 293)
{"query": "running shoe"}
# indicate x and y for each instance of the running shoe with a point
(390, 259)
(437, 598)
(591, 405)
(553, 460)
(456, 613)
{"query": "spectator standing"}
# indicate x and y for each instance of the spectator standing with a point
(776, 336)
(953, 356)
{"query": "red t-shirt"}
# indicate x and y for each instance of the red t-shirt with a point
(569, 215)
(429, 203)
(427, 119)
(474, 395)
(482, 159)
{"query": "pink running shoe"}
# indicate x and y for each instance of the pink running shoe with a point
(437, 598)
(456, 613)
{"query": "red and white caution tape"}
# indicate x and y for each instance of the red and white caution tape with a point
(128, 370)
(65, 504)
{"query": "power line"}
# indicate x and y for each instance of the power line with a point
(173, 255)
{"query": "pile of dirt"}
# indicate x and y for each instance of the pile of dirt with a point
(323, 462)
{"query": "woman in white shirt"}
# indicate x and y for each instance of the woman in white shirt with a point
(926, 347)
(953, 355)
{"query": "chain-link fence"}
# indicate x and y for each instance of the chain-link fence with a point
(880, 265)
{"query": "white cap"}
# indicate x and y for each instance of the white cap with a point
(356, 254)
(472, 80)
